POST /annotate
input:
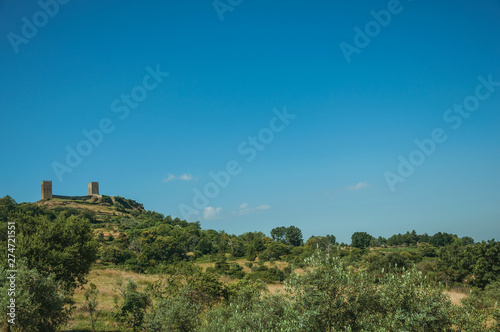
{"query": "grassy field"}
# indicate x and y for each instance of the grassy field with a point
(109, 280)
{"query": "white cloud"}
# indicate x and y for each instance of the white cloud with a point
(357, 186)
(186, 177)
(211, 213)
(169, 178)
(245, 209)
(183, 177)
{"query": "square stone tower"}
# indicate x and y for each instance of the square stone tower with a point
(93, 188)
(46, 189)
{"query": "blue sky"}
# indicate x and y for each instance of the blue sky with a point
(323, 169)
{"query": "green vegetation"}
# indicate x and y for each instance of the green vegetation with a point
(195, 279)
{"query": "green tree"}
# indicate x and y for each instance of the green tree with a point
(361, 240)
(278, 233)
(64, 246)
(205, 246)
(42, 304)
(486, 268)
(467, 240)
(427, 250)
(204, 289)
(329, 297)
(331, 240)
(294, 236)
(247, 310)
(173, 314)
(441, 239)
(409, 303)
(274, 251)
(91, 304)
(250, 253)
(133, 308)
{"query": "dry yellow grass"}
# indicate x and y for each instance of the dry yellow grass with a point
(109, 280)
(205, 265)
(455, 297)
(108, 283)
(274, 288)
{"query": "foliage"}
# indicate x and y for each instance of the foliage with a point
(392, 262)
(340, 288)
(476, 264)
(91, 304)
(330, 297)
(278, 233)
(42, 304)
(288, 235)
(320, 242)
(427, 250)
(266, 274)
(361, 240)
(173, 314)
(246, 310)
(63, 246)
(133, 308)
(274, 251)
(106, 200)
(205, 290)
(409, 302)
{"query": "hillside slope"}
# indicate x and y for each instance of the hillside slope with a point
(103, 206)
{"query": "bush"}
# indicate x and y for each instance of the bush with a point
(42, 304)
(426, 267)
(106, 200)
(236, 271)
(132, 310)
(392, 262)
(409, 302)
(173, 314)
(247, 311)
(266, 274)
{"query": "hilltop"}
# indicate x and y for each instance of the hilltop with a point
(103, 206)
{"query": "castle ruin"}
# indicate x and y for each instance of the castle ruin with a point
(47, 191)
(93, 188)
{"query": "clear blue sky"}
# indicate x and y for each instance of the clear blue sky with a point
(324, 171)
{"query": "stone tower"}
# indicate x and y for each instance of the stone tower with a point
(93, 188)
(46, 189)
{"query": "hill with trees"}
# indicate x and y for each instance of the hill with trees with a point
(199, 279)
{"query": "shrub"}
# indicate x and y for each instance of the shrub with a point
(42, 304)
(132, 310)
(173, 314)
